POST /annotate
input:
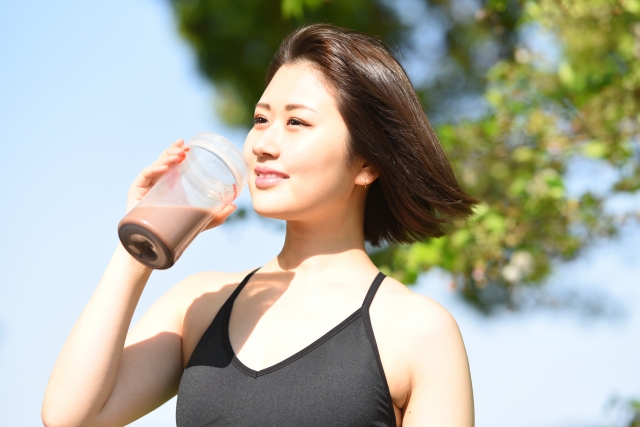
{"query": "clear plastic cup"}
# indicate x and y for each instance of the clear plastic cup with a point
(183, 201)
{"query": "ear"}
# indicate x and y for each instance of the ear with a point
(367, 174)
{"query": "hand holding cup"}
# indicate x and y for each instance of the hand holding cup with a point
(188, 189)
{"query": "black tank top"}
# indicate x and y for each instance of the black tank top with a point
(338, 380)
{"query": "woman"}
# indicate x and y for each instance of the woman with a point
(342, 151)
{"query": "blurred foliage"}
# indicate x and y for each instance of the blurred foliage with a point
(544, 113)
(235, 39)
(634, 406)
(559, 81)
(626, 412)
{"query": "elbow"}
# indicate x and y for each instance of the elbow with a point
(52, 418)
(55, 416)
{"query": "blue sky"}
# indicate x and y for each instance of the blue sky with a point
(90, 93)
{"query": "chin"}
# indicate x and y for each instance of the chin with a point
(284, 204)
(270, 208)
(271, 212)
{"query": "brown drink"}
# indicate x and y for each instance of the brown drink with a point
(157, 235)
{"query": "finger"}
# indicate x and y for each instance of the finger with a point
(172, 151)
(177, 144)
(174, 159)
(150, 174)
(175, 153)
(169, 159)
(221, 217)
(176, 147)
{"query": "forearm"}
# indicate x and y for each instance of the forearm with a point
(86, 370)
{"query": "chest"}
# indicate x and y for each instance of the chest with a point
(264, 334)
(336, 381)
(319, 356)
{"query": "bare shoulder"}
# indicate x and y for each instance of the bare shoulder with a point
(199, 298)
(186, 310)
(210, 283)
(423, 357)
(414, 316)
(178, 306)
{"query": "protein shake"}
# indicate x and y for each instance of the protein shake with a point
(183, 201)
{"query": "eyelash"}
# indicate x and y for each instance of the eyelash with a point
(261, 120)
(300, 122)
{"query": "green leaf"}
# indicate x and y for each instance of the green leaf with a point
(595, 149)
(566, 74)
(494, 223)
(632, 6)
(295, 8)
(460, 238)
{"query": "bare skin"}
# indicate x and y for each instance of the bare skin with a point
(106, 376)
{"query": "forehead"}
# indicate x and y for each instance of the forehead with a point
(299, 83)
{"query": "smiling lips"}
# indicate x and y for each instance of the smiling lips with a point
(266, 177)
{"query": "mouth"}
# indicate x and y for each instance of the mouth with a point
(266, 177)
(272, 175)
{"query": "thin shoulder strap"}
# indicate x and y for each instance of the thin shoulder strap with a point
(366, 317)
(235, 293)
(372, 290)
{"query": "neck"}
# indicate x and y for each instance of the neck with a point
(329, 241)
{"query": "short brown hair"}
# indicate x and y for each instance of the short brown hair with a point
(417, 191)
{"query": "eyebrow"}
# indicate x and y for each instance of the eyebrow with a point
(288, 107)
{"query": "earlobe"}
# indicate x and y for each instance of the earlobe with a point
(367, 175)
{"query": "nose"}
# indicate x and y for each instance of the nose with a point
(266, 143)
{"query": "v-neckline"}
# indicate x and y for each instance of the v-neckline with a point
(288, 360)
(315, 344)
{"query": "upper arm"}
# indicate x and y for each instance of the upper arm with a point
(151, 364)
(441, 393)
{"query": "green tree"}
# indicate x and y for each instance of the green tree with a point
(540, 113)
(235, 39)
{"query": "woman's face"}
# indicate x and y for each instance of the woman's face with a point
(297, 148)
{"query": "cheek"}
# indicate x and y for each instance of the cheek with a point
(319, 166)
(323, 175)
(323, 153)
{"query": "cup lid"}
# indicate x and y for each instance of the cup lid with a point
(227, 152)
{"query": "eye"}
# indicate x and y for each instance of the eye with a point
(296, 122)
(257, 120)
